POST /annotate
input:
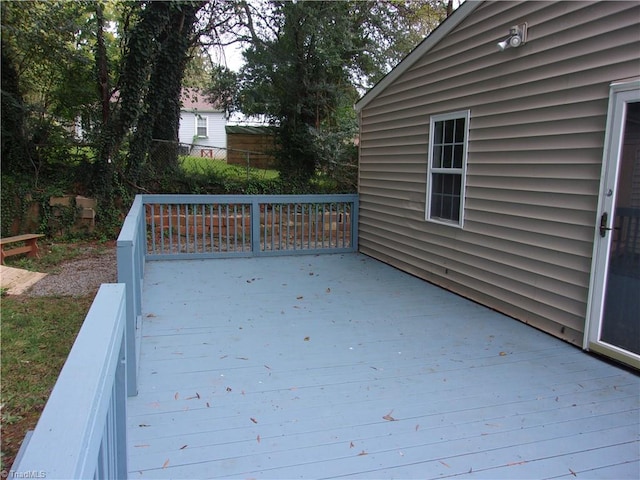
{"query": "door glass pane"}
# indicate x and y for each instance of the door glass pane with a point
(621, 315)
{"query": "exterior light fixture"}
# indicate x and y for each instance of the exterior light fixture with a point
(517, 36)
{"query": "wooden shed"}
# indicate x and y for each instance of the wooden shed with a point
(254, 144)
(501, 160)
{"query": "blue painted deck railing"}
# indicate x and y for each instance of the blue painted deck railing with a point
(82, 430)
(208, 226)
(131, 249)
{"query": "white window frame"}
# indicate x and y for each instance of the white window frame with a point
(206, 125)
(449, 170)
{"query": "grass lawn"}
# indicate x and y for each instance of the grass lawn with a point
(321, 183)
(37, 335)
(222, 169)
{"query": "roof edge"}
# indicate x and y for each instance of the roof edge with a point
(194, 100)
(451, 22)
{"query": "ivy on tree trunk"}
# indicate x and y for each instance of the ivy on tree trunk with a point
(154, 61)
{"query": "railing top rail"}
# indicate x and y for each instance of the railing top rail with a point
(131, 222)
(66, 441)
(195, 199)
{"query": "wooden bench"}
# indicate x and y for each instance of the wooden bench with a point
(30, 245)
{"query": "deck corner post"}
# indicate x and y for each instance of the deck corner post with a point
(131, 247)
(355, 206)
(255, 224)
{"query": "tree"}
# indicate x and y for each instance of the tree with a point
(308, 61)
(47, 51)
(48, 83)
(15, 145)
(198, 70)
(167, 60)
(159, 37)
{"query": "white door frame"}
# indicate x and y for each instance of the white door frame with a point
(620, 94)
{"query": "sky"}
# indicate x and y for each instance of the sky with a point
(233, 53)
(233, 57)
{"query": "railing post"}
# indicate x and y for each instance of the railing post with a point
(120, 413)
(126, 275)
(355, 207)
(255, 224)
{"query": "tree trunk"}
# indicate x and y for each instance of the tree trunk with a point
(101, 61)
(17, 149)
(154, 145)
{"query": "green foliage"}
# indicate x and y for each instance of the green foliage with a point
(33, 343)
(206, 166)
(392, 28)
(300, 77)
(51, 47)
(48, 82)
(13, 200)
(25, 210)
(158, 41)
(206, 176)
(223, 86)
(59, 223)
(198, 175)
(198, 69)
(15, 148)
(305, 64)
(338, 157)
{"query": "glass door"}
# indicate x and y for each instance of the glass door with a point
(614, 314)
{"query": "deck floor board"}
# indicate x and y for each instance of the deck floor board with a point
(338, 366)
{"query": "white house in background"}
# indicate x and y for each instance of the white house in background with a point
(202, 125)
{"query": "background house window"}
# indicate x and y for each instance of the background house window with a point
(448, 135)
(201, 126)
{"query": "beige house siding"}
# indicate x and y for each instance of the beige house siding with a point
(538, 116)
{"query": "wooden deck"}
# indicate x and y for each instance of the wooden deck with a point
(338, 366)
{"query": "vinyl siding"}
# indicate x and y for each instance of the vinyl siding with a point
(538, 116)
(217, 136)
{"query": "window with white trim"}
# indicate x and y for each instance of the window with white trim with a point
(201, 126)
(448, 136)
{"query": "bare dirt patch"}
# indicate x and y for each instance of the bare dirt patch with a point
(80, 276)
